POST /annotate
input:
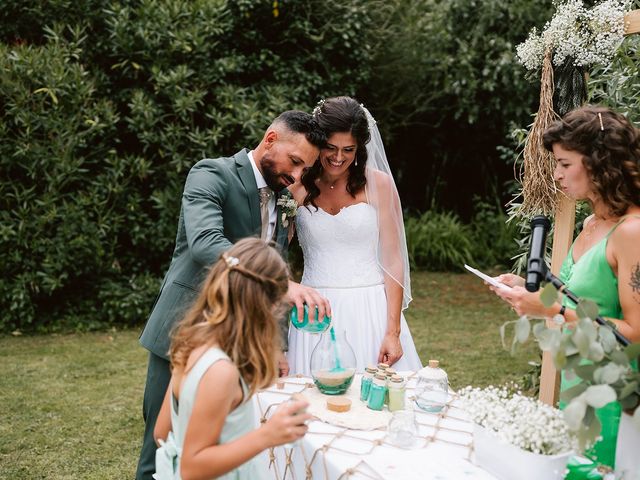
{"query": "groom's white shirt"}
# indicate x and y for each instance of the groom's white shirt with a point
(260, 182)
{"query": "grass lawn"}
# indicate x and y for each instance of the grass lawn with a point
(72, 403)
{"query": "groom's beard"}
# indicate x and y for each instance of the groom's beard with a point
(276, 181)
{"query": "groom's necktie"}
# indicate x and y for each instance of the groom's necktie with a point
(265, 194)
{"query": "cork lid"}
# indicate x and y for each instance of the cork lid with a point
(434, 363)
(380, 376)
(383, 366)
(397, 379)
(339, 404)
(371, 369)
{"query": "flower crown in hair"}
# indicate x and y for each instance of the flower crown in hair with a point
(318, 109)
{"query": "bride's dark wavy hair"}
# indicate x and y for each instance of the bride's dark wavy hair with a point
(610, 148)
(341, 115)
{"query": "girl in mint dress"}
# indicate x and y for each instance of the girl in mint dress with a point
(221, 353)
(598, 161)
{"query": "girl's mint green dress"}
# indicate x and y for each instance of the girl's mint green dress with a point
(238, 423)
(591, 277)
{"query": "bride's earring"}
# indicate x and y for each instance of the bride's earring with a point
(356, 162)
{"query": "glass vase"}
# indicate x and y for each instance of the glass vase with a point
(333, 363)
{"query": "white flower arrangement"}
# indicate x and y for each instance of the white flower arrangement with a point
(521, 421)
(289, 209)
(584, 36)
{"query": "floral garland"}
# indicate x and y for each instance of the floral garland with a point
(521, 421)
(577, 34)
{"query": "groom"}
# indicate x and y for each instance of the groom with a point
(225, 200)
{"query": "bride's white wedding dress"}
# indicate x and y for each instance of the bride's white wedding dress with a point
(340, 262)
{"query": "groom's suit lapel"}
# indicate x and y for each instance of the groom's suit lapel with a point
(248, 180)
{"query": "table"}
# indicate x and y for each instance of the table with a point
(444, 450)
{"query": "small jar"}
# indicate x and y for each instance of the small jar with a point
(365, 382)
(389, 372)
(377, 392)
(396, 393)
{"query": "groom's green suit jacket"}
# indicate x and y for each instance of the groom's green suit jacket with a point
(220, 205)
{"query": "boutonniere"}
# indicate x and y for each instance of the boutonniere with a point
(289, 208)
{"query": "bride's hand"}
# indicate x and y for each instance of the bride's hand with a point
(390, 350)
(299, 294)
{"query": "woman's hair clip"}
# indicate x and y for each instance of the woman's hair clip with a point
(318, 109)
(601, 124)
(370, 120)
(231, 261)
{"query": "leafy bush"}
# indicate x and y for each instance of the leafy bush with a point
(618, 85)
(105, 108)
(438, 241)
(106, 105)
(494, 239)
(61, 183)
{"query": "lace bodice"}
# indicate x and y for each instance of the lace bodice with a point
(339, 250)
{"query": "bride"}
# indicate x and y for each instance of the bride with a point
(350, 228)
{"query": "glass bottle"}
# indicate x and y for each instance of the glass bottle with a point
(333, 363)
(317, 326)
(377, 392)
(431, 388)
(396, 393)
(389, 372)
(365, 383)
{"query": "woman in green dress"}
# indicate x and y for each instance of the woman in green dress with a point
(598, 160)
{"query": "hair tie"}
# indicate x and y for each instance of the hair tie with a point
(231, 261)
(601, 124)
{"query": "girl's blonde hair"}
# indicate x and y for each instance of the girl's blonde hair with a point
(238, 308)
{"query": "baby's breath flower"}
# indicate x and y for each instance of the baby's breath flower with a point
(289, 208)
(585, 36)
(521, 421)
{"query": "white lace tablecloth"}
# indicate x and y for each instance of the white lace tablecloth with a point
(444, 450)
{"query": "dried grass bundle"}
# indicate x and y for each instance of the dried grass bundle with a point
(539, 191)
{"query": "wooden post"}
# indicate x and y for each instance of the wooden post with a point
(565, 219)
(564, 224)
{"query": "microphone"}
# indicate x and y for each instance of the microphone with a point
(536, 267)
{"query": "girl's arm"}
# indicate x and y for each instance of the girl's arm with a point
(163, 422)
(218, 394)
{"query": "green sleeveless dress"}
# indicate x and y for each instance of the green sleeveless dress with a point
(592, 277)
(239, 422)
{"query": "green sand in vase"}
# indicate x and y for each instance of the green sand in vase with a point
(333, 383)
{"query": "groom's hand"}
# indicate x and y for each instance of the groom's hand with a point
(299, 294)
(390, 350)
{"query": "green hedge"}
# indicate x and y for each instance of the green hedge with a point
(105, 107)
(106, 104)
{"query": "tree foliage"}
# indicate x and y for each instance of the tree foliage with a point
(105, 107)
(106, 104)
